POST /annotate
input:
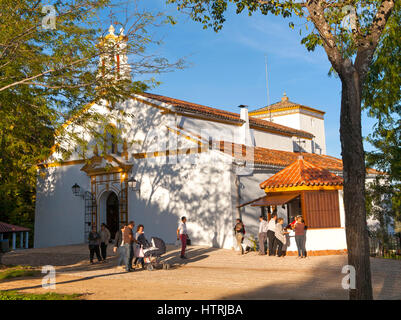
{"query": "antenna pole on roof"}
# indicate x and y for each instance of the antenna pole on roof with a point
(267, 90)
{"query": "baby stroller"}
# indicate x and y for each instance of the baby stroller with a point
(152, 255)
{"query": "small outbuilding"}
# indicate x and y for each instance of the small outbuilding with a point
(10, 232)
(315, 193)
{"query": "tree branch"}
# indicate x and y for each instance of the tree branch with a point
(371, 40)
(316, 14)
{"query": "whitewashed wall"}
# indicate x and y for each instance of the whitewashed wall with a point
(59, 215)
(322, 239)
(199, 191)
(272, 141)
(316, 127)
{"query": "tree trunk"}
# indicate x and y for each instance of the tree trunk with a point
(354, 183)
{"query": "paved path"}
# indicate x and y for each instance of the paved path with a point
(208, 274)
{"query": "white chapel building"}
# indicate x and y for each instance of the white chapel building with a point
(187, 160)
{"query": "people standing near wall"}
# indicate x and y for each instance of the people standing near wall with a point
(280, 238)
(129, 245)
(271, 229)
(104, 240)
(120, 248)
(300, 237)
(263, 227)
(94, 242)
(182, 235)
(239, 230)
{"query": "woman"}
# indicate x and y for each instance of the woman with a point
(142, 244)
(299, 229)
(104, 240)
(239, 230)
(94, 242)
(280, 237)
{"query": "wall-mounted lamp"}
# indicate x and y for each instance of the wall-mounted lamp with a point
(76, 190)
(133, 184)
(79, 192)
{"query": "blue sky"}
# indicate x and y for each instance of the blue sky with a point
(228, 68)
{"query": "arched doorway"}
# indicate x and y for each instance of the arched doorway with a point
(112, 219)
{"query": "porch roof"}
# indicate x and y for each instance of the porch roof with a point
(271, 200)
(6, 228)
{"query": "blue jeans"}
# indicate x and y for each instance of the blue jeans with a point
(122, 256)
(129, 255)
(300, 241)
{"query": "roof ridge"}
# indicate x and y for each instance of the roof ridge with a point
(231, 115)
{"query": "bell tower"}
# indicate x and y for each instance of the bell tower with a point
(113, 60)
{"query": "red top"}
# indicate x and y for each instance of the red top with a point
(299, 229)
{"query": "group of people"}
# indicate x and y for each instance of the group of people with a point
(275, 234)
(123, 245)
(98, 242)
(129, 245)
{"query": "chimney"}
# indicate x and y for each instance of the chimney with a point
(245, 132)
(244, 113)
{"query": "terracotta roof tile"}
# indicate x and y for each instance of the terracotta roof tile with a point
(214, 113)
(280, 158)
(284, 104)
(5, 227)
(301, 173)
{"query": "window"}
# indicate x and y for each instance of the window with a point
(110, 140)
(322, 209)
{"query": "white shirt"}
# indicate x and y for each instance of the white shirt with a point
(272, 225)
(263, 226)
(183, 228)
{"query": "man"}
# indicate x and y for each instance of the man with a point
(239, 234)
(119, 246)
(271, 229)
(183, 235)
(104, 240)
(94, 242)
(263, 227)
(128, 237)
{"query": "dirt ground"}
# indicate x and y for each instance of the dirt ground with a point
(208, 273)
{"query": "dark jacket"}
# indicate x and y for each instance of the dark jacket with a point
(239, 228)
(94, 239)
(143, 241)
(118, 238)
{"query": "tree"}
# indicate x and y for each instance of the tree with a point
(382, 99)
(49, 73)
(350, 49)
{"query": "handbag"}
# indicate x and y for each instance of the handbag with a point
(139, 252)
(188, 241)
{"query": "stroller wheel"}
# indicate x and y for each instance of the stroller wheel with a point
(149, 267)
